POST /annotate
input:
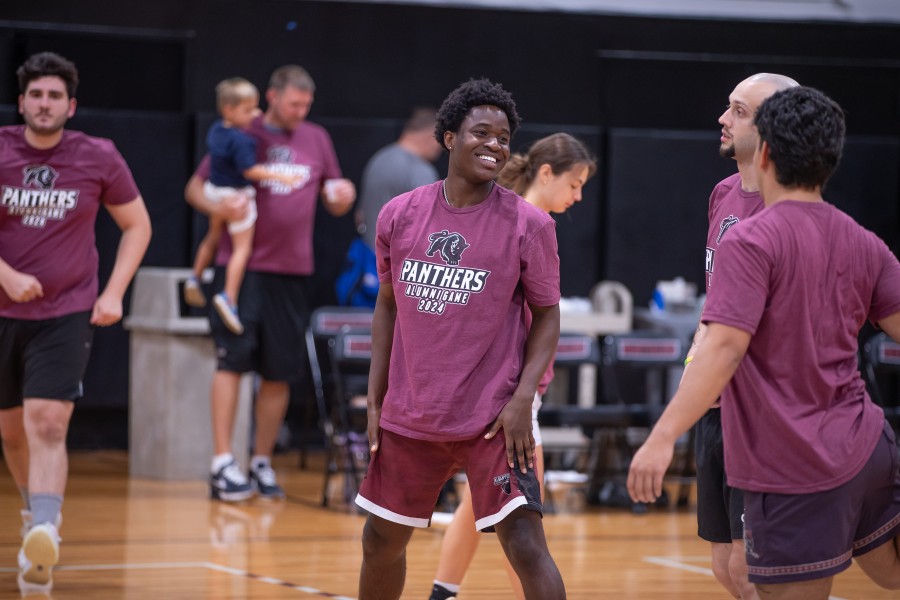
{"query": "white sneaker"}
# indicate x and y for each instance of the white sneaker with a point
(37, 557)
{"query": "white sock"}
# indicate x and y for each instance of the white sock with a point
(258, 461)
(450, 587)
(220, 460)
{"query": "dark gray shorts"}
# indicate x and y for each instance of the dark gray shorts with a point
(720, 507)
(811, 536)
(274, 311)
(43, 359)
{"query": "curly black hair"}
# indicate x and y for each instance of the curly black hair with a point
(804, 129)
(474, 92)
(48, 64)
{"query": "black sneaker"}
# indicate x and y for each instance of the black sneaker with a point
(229, 484)
(262, 478)
(439, 592)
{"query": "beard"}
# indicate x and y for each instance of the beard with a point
(46, 128)
(726, 151)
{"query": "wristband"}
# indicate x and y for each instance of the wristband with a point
(688, 360)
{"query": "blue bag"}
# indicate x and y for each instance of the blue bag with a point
(357, 285)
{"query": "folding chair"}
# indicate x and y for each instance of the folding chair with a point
(564, 443)
(560, 434)
(351, 356)
(881, 356)
(649, 355)
(326, 323)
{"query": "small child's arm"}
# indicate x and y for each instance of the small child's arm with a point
(261, 172)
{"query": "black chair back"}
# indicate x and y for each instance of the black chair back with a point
(881, 366)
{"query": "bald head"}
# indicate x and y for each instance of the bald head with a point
(779, 82)
(738, 134)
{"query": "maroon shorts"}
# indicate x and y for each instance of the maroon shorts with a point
(406, 475)
(811, 536)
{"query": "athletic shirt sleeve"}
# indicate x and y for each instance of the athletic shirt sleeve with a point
(383, 229)
(740, 299)
(886, 295)
(331, 167)
(202, 170)
(244, 149)
(118, 182)
(540, 267)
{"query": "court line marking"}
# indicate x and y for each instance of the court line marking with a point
(197, 565)
(680, 562)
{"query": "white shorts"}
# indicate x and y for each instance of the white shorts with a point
(216, 193)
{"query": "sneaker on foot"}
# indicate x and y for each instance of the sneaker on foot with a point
(439, 592)
(229, 484)
(263, 479)
(37, 557)
(228, 312)
(193, 293)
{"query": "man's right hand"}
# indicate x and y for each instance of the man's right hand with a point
(21, 287)
(374, 425)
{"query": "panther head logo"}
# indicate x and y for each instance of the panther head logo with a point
(451, 246)
(725, 225)
(39, 176)
(279, 154)
(502, 481)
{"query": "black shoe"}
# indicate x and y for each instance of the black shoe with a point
(262, 478)
(229, 484)
(439, 592)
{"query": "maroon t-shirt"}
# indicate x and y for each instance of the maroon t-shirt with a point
(728, 206)
(802, 279)
(48, 205)
(283, 240)
(461, 278)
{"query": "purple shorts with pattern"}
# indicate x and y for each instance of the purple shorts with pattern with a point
(811, 536)
(406, 475)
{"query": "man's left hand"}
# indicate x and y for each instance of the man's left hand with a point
(107, 311)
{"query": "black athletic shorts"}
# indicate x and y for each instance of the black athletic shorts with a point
(720, 508)
(43, 359)
(274, 311)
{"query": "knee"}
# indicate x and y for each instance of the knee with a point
(525, 555)
(521, 555)
(48, 426)
(738, 571)
(721, 571)
(12, 433)
(382, 545)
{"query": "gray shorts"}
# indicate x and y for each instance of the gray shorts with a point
(799, 537)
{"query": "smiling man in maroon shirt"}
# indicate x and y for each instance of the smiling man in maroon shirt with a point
(52, 184)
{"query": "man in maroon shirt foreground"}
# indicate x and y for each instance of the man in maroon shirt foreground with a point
(813, 454)
(52, 183)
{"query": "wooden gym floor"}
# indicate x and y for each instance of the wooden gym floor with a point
(137, 539)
